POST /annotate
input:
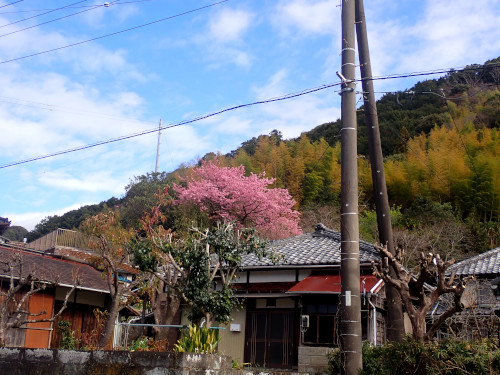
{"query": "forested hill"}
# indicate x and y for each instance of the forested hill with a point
(442, 160)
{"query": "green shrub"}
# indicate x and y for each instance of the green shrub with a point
(446, 357)
(141, 344)
(198, 340)
(68, 341)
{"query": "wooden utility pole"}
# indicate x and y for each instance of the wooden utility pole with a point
(350, 315)
(158, 148)
(395, 327)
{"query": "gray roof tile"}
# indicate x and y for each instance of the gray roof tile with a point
(482, 264)
(321, 247)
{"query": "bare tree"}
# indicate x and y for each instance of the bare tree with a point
(109, 241)
(478, 318)
(23, 283)
(416, 296)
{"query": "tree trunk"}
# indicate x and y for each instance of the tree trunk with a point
(165, 308)
(105, 341)
(3, 329)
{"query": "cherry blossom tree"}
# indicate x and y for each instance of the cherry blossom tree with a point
(226, 194)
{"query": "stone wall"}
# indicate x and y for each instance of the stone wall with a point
(21, 361)
(313, 359)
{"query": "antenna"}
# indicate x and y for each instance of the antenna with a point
(158, 148)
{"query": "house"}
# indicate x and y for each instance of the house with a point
(57, 258)
(289, 318)
(59, 276)
(481, 298)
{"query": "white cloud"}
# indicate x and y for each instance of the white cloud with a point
(224, 39)
(229, 25)
(29, 220)
(308, 17)
(101, 181)
(115, 13)
(441, 34)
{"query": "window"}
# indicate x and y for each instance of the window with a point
(322, 323)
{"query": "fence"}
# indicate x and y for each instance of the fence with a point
(60, 237)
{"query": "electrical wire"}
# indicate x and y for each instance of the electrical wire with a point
(75, 7)
(149, 131)
(431, 72)
(115, 33)
(275, 99)
(15, 2)
(42, 14)
(53, 20)
(53, 108)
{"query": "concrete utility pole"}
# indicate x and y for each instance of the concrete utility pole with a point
(395, 328)
(350, 315)
(158, 148)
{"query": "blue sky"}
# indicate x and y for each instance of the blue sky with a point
(190, 65)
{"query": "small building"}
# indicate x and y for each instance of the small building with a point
(481, 298)
(291, 309)
(59, 276)
(58, 258)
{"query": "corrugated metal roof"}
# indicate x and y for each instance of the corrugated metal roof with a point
(321, 247)
(487, 263)
(332, 284)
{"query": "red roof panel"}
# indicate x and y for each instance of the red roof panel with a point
(331, 284)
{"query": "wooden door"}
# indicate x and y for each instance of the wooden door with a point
(269, 339)
(38, 334)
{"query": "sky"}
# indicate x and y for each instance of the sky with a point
(75, 73)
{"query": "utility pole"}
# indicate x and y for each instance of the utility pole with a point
(350, 305)
(395, 327)
(158, 148)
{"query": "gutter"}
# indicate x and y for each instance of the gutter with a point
(293, 266)
(374, 317)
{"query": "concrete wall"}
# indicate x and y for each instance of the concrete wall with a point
(313, 359)
(20, 361)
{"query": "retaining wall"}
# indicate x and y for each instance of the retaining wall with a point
(21, 361)
(313, 360)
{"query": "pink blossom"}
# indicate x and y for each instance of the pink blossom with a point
(225, 193)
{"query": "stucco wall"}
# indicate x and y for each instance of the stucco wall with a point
(20, 361)
(232, 343)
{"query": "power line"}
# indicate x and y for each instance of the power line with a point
(42, 14)
(115, 33)
(275, 99)
(149, 131)
(75, 7)
(50, 21)
(15, 2)
(55, 108)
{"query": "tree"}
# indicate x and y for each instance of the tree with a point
(155, 255)
(226, 194)
(109, 240)
(417, 298)
(211, 259)
(23, 283)
(15, 233)
(189, 268)
(140, 196)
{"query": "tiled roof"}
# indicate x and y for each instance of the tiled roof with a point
(321, 247)
(53, 269)
(487, 263)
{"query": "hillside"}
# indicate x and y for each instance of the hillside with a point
(442, 158)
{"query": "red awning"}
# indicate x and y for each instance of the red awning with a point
(323, 284)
